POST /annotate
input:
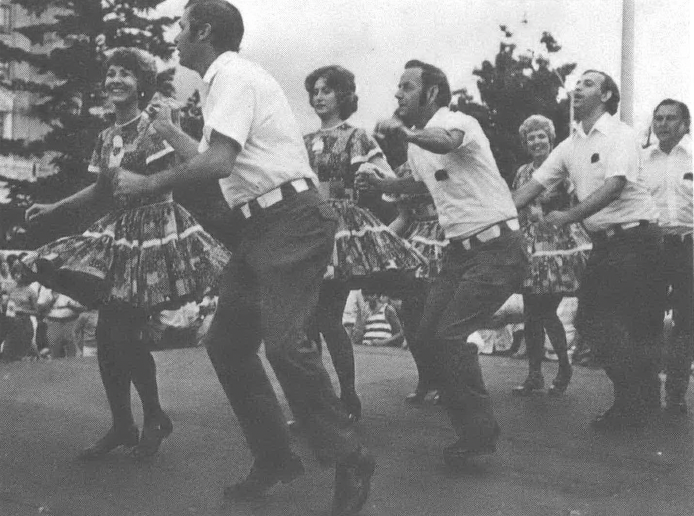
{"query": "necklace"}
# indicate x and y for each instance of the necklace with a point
(128, 122)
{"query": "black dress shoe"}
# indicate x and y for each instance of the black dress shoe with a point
(352, 482)
(262, 478)
(152, 436)
(457, 454)
(112, 440)
(561, 382)
(416, 397)
(533, 385)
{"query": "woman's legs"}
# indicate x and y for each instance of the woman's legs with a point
(114, 367)
(331, 306)
(534, 343)
(557, 337)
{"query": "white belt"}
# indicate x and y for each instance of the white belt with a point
(273, 197)
(488, 234)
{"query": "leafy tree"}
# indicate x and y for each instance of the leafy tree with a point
(515, 86)
(67, 86)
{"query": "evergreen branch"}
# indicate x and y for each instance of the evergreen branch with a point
(28, 86)
(8, 54)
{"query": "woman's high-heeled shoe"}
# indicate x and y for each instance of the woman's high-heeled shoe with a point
(152, 436)
(112, 440)
(352, 404)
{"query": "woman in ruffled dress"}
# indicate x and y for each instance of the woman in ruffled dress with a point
(557, 259)
(365, 248)
(418, 223)
(146, 254)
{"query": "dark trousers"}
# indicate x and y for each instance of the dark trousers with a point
(124, 358)
(620, 313)
(679, 269)
(269, 292)
(471, 287)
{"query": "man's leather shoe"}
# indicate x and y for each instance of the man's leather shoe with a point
(113, 439)
(352, 482)
(458, 453)
(262, 478)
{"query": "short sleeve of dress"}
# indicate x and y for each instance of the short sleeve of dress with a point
(95, 162)
(158, 153)
(363, 147)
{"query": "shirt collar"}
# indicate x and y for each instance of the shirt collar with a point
(222, 60)
(684, 145)
(605, 124)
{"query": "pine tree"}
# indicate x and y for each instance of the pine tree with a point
(516, 86)
(67, 87)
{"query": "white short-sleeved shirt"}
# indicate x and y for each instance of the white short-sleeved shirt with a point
(610, 149)
(245, 103)
(473, 195)
(669, 179)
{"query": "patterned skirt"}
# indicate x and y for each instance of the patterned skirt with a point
(556, 264)
(366, 250)
(151, 257)
(427, 237)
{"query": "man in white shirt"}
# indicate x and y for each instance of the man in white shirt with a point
(484, 261)
(622, 292)
(668, 170)
(252, 144)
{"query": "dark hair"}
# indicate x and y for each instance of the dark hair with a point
(142, 65)
(432, 76)
(608, 84)
(339, 79)
(224, 19)
(684, 110)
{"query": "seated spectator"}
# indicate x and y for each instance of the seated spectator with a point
(380, 325)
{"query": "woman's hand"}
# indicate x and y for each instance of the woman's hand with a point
(554, 220)
(38, 212)
(160, 114)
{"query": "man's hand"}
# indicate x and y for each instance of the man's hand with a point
(391, 127)
(554, 220)
(38, 212)
(128, 184)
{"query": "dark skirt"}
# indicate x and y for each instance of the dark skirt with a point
(151, 257)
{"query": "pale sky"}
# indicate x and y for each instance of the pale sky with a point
(374, 39)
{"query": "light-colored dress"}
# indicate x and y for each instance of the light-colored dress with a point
(148, 252)
(557, 256)
(364, 246)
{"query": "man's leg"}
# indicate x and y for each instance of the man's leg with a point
(491, 274)
(681, 347)
(232, 343)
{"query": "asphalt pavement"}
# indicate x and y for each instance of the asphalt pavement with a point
(549, 461)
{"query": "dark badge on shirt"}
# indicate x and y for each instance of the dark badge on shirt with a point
(441, 175)
(595, 158)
